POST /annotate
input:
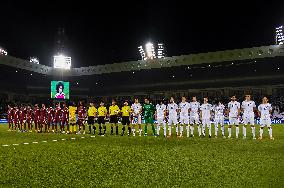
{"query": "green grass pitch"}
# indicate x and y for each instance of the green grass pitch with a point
(112, 161)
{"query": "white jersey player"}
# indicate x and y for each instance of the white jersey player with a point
(194, 116)
(219, 110)
(206, 109)
(136, 109)
(160, 117)
(172, 110)
(264, 111)
(248, 107)
(184, 115)
(234, 113)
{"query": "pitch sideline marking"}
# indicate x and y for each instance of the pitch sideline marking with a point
(44, 141)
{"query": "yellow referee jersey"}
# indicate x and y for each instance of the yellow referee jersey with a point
(125, 110)
(72, 112)
(102, 111)
(113, 110)
(92, 111)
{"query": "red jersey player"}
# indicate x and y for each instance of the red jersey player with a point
(10, 117)
(36, 117)
(57, 117)
(16, 118)
(50, 117)
(29, 114)
(81, 117)
(43, 118)
(64, 119)
(22, 118)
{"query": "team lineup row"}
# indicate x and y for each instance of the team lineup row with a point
(185, 113)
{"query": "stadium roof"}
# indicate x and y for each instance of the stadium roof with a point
(184, 60)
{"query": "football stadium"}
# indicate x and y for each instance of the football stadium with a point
(204, 119)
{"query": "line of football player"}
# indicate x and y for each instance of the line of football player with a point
(185, 114)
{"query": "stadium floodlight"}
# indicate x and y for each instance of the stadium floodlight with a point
(62, 62)
(152, 52)
(34, 60)
(3, 52)
(279, 37)
(142, 52)
(161, 50)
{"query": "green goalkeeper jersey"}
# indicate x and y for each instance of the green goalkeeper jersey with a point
(148, 110)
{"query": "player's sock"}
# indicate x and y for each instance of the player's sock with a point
(203, 130)
(145, 129)
(140, 131)
(123, 130)
(181, 129)
(170, 130)
(230, 131)
(165, 130)
(105, 129)
(94, 129)
(209, 130)
(191, 129)
(100, 129)
(90, 129)
(199, 130)
(270, 132)
(153, 129)
(129, 130)
(253, 132)
(158, 129)
(111, 132)
(187, 131)
(216, 130)
(116, 129)
(177, 129)
(244, 131)
(223, 130)
(237, 131)
(260, 132)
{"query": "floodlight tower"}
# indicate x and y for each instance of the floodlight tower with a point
(61, 60)
(279, 35)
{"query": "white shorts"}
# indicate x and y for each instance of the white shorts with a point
(233, 121)
(265, 122)
(172, 120)
(248, 120)
(184, 120)
(219, 120)
(136, 120)
(194, 119)
(206, 122)
(160, 121)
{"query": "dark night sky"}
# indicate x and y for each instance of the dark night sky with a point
(111, 32)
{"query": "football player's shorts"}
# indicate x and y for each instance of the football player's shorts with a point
(72, 121)
(233, 121)
(149, 120)
(136, 120)
(172, 120)
(101, 120)
(160, 121)
(194, 119)
(219, 120)
(184, 120)
(91, 120)
(113, 119)
(265, 122)
(248, 119)
(206, 122)
(125, 120)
